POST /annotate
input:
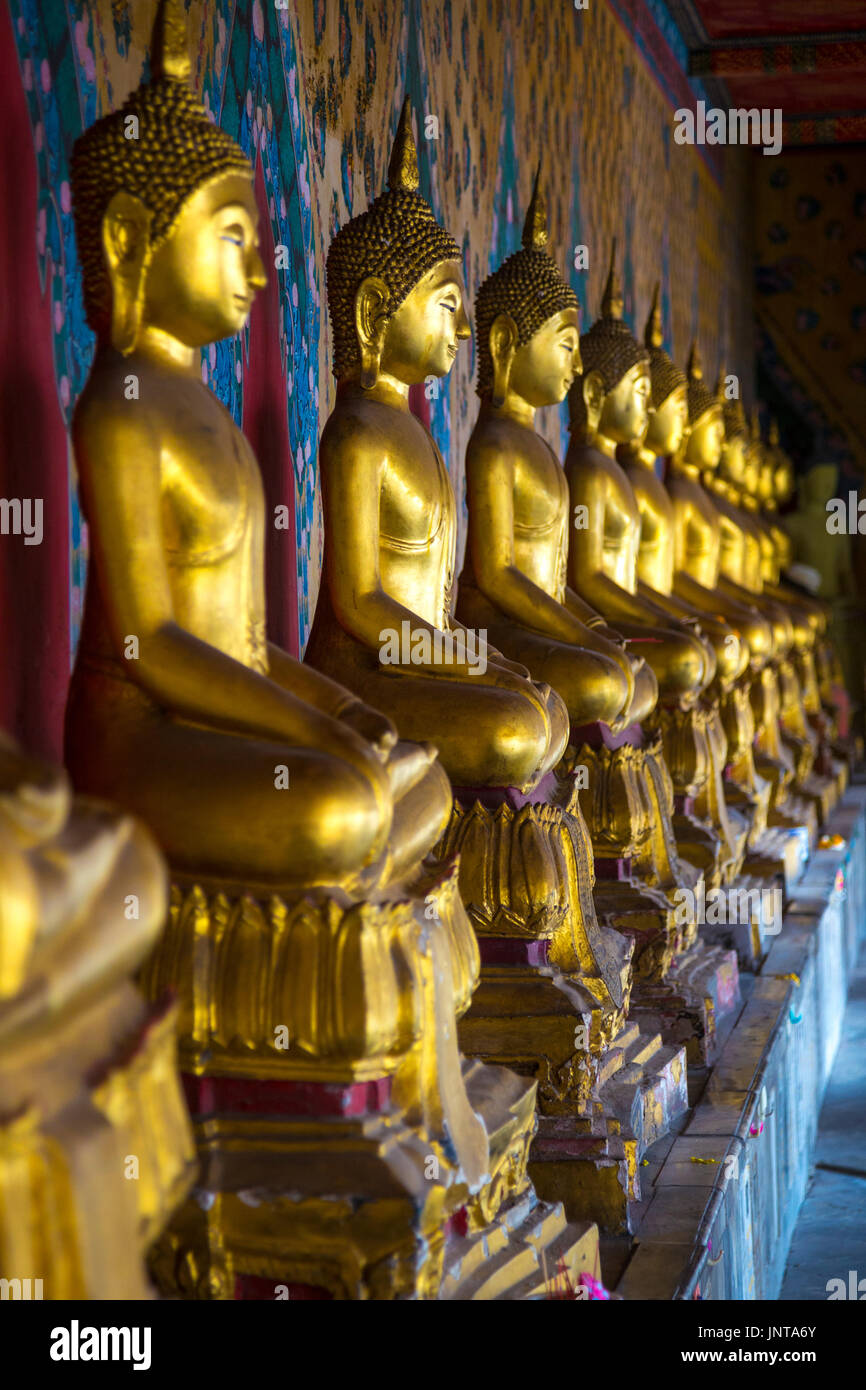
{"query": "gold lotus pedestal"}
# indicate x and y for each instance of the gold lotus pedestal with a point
(553, 998)
(95, 1146)
(348, 1150)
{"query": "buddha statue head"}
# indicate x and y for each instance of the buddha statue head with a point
(526, 319)
(766, 460)
(783, 468)
(165, 212)
(613, 396)
(707, 427)
(395, 283)
(732, 464)
(754, 457)
(669, 419)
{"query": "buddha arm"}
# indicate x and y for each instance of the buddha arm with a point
(330, 698)
(671, 604)
(719, 606)
(737, 591)
(490, 488)
(351, 484)
(588, 488)
(119, 464)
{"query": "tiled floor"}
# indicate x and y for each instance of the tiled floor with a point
(830, 1237)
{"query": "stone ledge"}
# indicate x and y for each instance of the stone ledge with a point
(729, 1189)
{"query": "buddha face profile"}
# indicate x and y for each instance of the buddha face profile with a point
(395, 284)
(542, 371)
(707, 435)
(733, 459)
(614, 398)
(669, 419)
(706, 417)
(668, 424)
(527, 322)
(626, 411)
(421, 338)
(200, 283)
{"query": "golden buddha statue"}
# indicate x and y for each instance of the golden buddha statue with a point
(636, 807)
(608, 408)
(395, 297)
(514, 587)
(830, 679)
(665, 436)
(514, 581)
(318, 950)
(697, 573)
(89, 1092)
(800, 713)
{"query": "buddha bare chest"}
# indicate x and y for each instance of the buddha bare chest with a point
(211, 496)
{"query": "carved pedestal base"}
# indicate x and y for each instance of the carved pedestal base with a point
(629, 812)
(695, 749)
(95, 1149)
(555, 987)
(591, 1164)
(702, 988)
(527, 1254)
(341, 1134)
(548, 968)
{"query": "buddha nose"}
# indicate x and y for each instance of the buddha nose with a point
(577, 361)
(463, 329)
(256, 275)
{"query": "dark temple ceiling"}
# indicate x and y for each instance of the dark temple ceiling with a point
(806, 56)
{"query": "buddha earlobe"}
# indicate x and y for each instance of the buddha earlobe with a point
(502, 342)
(371, 320)
(128, 251)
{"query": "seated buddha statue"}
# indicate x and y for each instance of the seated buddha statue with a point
(87, 1069)
(395, 297)
(319, 954)
(514, 581)
(668, 425)
(608, 407)
(179, 708)
(742, 542)
(615, 391)
(666, 433)
(780, 488)
(698, 532)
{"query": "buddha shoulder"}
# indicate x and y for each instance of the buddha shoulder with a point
(363, 433)
(496, 442)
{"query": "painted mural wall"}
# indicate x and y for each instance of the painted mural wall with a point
(312, 90)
